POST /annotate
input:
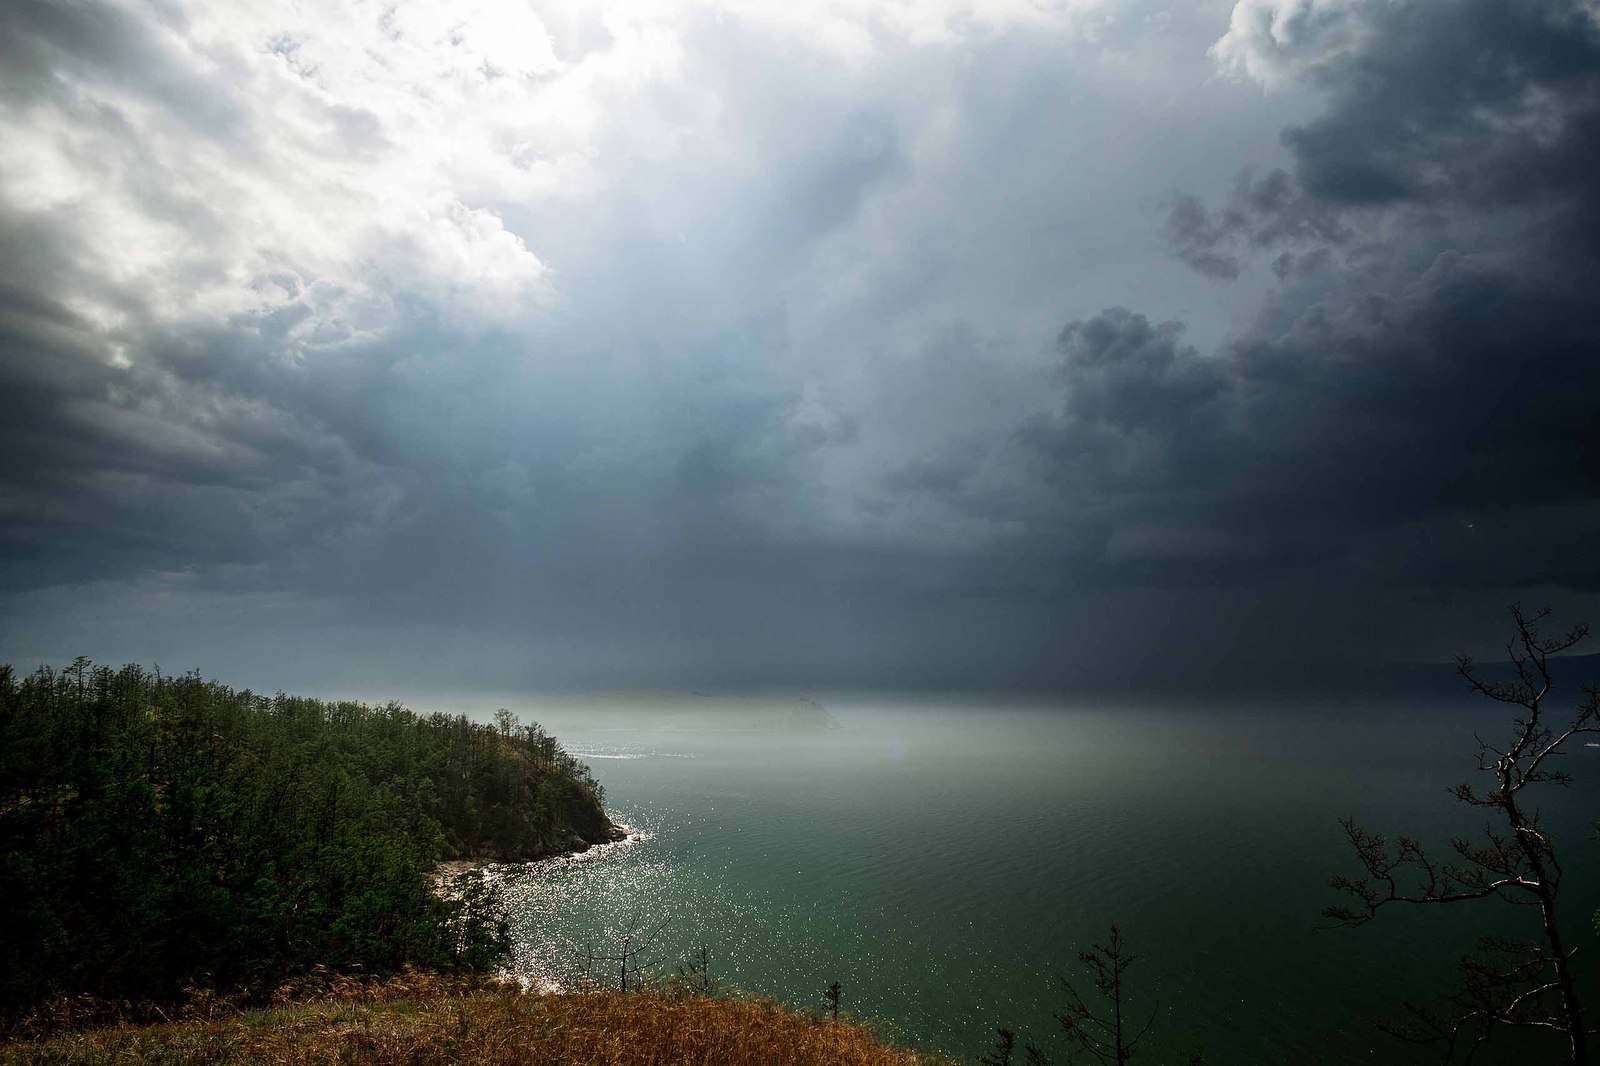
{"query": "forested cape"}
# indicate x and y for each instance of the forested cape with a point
(163, 833)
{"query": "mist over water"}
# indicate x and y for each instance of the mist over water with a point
(945, 860)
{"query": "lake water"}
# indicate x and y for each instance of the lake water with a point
(944, 861)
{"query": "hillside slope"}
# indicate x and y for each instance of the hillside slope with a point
(487, 1028)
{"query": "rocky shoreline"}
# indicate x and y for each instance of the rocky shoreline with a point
(570, 842)
(577, 842)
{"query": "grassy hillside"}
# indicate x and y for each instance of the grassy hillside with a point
(427, 1021)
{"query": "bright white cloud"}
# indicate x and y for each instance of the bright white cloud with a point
(860, 27)
(1277, 41)
(368, 147)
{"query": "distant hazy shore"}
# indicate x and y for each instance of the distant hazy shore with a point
(650, 711)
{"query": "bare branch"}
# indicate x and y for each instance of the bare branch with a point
(1511, 984)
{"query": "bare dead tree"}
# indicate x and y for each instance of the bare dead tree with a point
(1511, 983)
(628, 960)
(586, 980)
(830, 999)
(694, 976)
(626, 953)
(1105, 1033)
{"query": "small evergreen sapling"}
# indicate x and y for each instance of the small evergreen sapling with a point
(830, 999)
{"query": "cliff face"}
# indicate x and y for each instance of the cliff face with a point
(538, 807)
(580, 823)
(589, 821)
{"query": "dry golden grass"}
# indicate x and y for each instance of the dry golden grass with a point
(494, 1027)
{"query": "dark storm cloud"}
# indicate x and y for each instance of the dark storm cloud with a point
(1475, 106)
(776, 391)
(109, 469)
(1433, 356)
(46, 47)
(1488, 102)
(1463, 395)
(1261, 213)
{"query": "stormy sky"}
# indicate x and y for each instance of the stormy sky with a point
(511, 345)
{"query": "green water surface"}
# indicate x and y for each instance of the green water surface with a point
(944, 860)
